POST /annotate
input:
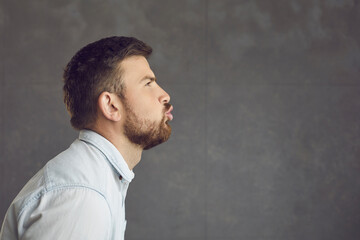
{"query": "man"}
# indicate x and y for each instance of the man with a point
(114, 100)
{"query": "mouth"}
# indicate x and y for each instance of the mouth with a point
(168, 113)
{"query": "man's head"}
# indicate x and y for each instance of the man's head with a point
(116, 68)
(93, 70)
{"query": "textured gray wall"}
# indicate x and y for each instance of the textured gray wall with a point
(266, 135)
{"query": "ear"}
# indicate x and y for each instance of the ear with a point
(109, 106)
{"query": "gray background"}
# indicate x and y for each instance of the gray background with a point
(266, 133)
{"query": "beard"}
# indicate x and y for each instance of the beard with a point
(144, 132)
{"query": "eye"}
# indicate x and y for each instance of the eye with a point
(148, 83)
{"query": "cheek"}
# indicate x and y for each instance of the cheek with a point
(144, 109)
(145, 105)
(152, 112)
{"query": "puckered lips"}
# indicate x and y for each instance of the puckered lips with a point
(168, 113)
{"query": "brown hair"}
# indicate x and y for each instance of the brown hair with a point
(93, 70)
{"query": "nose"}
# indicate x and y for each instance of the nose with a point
(164, 96)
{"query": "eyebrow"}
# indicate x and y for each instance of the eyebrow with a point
(153, 79)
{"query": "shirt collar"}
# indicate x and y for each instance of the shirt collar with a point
(110, 151)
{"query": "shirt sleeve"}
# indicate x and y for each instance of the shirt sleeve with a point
(67, 213)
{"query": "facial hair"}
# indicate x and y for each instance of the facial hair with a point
(144, 132)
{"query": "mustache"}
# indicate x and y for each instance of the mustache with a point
(167, 106)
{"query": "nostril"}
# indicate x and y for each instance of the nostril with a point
(164, 99)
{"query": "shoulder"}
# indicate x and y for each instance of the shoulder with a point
(71, 212)
(78, 171)
(81, 164)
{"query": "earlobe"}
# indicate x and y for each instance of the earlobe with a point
(109, 106)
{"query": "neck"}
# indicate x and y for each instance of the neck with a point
(130, 151)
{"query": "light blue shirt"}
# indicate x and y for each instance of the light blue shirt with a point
(79, 194)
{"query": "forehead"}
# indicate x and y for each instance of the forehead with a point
(135, 67)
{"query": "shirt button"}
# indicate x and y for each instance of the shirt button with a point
(120, 177)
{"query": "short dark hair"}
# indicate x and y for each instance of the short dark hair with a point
(94, 69)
